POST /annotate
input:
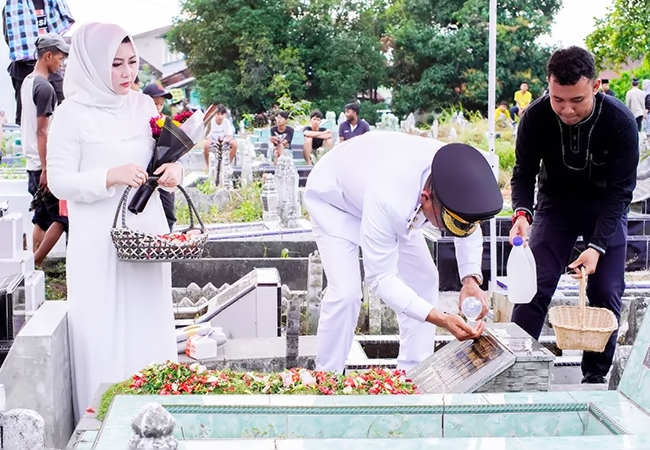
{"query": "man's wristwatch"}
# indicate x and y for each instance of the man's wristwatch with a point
(522, 213)
(477, 276)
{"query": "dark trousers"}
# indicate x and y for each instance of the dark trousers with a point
(514, 111)
(552, 239)
(639, 123)
(167, 200)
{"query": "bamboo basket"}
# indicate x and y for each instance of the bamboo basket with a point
(582, 327)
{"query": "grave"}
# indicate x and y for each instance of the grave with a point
(521, 421)
(249, 308)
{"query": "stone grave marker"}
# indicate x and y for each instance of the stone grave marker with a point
(288, 197)
(461, 367)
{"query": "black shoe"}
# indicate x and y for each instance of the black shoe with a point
(594, 379)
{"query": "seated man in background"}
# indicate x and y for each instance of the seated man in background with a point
(221, 130)
(281, 136)
(315, 137)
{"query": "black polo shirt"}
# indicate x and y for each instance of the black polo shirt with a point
(587, 167)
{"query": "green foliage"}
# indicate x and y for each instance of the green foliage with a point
(298, 111)
(622, 35)
(245, 205)
(247, 53)
(368, 111)
(440, 51)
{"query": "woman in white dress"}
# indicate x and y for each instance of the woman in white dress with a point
(120, 315)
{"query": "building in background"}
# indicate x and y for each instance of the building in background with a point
(166, 66)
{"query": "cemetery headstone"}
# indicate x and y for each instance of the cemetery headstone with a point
(314, 289)
(434, 129)
(293, 332)
(453, 135)
(461, 367)
(288, 196)
(342, 119)
(410, 123)
(269, 199)
(153, 427)
(246, 162)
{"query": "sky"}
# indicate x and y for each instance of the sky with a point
(573, 23)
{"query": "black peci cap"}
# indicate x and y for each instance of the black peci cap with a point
(464, 183)
(153, 90)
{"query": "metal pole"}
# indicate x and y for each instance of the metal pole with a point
(494, 160)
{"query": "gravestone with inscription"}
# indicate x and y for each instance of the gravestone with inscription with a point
(504, 359)
(462, 366)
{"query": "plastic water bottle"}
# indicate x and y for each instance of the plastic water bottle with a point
(521, 273)
(471, 308)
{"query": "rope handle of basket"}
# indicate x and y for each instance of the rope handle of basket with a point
(121, 208)
(582, 295)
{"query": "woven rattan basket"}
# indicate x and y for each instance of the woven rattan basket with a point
(582, 327)
(137, 246)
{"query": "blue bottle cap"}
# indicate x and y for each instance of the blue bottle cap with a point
(518, 241)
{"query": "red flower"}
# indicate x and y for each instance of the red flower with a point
(183, 116)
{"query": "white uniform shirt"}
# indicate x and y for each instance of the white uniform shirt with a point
(366, 190)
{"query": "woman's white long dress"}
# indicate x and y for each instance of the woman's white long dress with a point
(120, 315)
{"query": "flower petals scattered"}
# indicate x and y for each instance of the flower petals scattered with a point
(176, 379)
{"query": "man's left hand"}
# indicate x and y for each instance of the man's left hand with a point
(170, 174)
(587, 259)
(471, 288)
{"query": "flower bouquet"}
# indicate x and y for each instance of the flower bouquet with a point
(174, 138)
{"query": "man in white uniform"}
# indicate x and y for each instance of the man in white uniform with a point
(375, 192)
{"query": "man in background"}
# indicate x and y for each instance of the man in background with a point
(23, 21)
(353, 126)
(39, 99)
(635, 101)
(315, 137)
(523, 97)
(605, 87)
(159, 95)
(281, 136)
(222, 130)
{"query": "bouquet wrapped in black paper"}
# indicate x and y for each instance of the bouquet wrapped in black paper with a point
(173, 140)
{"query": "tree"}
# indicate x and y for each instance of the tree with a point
(622, 35)
(249, 53)
(440, 51)
(238, 51)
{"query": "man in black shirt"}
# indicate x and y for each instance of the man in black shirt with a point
(281, 136)
(587, 144)
(315, 137)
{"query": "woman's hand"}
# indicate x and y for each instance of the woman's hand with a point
(128, 175)
(170, 174)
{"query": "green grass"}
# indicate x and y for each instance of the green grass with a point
(108, 396)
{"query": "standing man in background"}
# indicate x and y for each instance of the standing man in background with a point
(635, 101)
(23, 21)
(39, 101)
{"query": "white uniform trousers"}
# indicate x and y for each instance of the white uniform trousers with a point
(341, 303)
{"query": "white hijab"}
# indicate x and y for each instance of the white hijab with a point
(88, 73)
